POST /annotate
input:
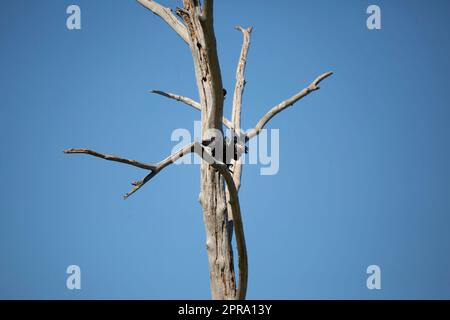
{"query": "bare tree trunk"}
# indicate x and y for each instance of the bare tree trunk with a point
(218, 235)
(212, 198)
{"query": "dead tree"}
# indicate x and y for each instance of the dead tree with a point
(219, 186)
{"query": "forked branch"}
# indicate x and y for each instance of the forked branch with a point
(161, 165)
(286, 103)
(153, 168)
(222, 168)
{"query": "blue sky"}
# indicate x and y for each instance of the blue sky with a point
(364, 176)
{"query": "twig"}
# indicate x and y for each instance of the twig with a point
(179, 98)
(112, 158)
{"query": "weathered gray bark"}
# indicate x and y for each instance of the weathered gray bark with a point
(221, 209)
(199, 23)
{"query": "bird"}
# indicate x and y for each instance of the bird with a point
(232, 149)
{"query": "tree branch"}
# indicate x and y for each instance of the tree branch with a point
(179, 98)
(237, 98)
(240, 80)
(286, 103)
(167, 15)
(160, 166)
(153, 168)
(189, 102)
(112, 158)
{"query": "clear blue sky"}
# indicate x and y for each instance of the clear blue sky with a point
(364, 163)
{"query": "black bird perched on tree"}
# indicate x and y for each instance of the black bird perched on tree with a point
(224, 93)
(232, 149)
